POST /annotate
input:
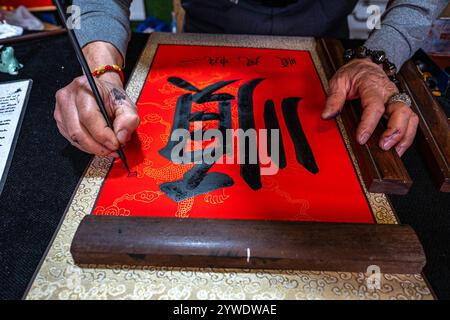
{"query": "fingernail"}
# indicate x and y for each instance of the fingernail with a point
(114, 155)
(389, 141)
(399, 150)
(110, 146)
(364, 137)
(329, 115)
(324, 115)
(387, 145)
(122, 136)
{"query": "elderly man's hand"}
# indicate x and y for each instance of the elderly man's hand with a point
(80, 121)
(361, 78)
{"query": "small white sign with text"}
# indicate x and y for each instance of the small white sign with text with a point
(13, 100)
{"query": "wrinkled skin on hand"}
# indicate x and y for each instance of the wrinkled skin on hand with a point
(363, 79)
(81, 122)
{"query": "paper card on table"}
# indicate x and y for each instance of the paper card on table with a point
(13, 102)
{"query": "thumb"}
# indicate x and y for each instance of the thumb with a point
(337, 94)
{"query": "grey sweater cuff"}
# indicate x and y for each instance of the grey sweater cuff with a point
(391, 41)
(404, 28)
(106, 21)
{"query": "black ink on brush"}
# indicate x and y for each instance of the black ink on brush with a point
(90, 78)
(271, 123)
(303, 151)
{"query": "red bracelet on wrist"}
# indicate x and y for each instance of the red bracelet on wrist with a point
(108, 68)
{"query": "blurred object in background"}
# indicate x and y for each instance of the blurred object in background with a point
(8, 62)
(152, 24)
(22, 25)
(44, 10)
(438, 42)
(7, 30)
(361, 20)
(436, 78)
(21, 17)
(151, 16)
(178, 15)
(137, 10)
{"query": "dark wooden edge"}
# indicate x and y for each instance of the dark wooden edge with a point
(248, 244)
(434, 135)
(382, 171)
(32, 36)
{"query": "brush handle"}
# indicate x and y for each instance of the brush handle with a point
(87, 72)
(83, 63)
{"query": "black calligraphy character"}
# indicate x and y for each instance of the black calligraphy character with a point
(287, 61)
(271, 123)
(197, 180)
(250, 171)
(250, 62)
(222, 60)
(303, 152)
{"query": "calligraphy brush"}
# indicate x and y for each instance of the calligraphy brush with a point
(87, 72)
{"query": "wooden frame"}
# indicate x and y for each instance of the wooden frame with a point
(434, 133)
(336, 247)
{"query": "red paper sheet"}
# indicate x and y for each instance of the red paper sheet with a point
(333, 194)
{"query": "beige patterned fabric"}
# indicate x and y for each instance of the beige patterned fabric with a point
(59, 278)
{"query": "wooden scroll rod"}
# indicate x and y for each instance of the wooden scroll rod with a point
(249, 244)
